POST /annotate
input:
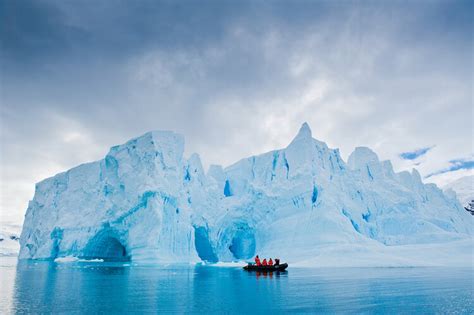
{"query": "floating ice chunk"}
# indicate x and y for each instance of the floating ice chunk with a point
(66, 259)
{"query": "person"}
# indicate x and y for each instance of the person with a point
(270, 262)
(264, 262)
(277, 261)
(257, 261)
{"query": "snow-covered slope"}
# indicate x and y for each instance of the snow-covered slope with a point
(9, 239)
(147, 202)
(463, 187)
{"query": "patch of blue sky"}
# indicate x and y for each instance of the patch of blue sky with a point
(413, 155)
(457, 164)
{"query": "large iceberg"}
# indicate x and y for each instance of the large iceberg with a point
(146, 202)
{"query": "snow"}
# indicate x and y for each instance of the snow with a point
(464, 189)
(237, 264)
(70, 259)
(146, 202)
(66, 259)
(9, 239)
(449, 254)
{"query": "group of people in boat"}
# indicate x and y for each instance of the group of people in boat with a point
(264, 262)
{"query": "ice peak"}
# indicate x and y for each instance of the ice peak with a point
(304, 133)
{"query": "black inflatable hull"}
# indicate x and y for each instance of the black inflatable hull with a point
(280, 267)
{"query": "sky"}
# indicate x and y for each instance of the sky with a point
(236, 78)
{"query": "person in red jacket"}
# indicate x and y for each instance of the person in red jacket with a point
(257, 261)
(270, 262)
(264, 262)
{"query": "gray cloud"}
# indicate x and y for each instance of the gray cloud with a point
(235, 78)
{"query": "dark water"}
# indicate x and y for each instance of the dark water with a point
(123, 288)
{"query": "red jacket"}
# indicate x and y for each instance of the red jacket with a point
(270, 262)
(264, 262)
(257, 261)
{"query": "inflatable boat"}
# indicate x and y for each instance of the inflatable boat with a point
(253, 267)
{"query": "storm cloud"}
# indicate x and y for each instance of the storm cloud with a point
(234, 77)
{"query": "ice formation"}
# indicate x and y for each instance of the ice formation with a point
(9, 239)
(145, 201)
(463, 187)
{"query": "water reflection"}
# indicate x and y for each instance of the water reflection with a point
(43, 287)
(269, 274)
(46, 287)
(223, 289)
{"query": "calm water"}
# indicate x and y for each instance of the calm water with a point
(123, 288)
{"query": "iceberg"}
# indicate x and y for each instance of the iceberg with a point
(146, 202)
(463, 188)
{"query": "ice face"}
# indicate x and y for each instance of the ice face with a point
(203, 245)
(146, 202)
(241, 240)
(462, 188)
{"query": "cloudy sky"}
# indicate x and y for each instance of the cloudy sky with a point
(236, 78)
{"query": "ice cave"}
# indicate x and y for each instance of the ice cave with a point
(107, 246)
(242, 244)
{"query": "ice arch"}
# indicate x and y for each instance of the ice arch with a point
(242, 244)
(203, 245)
(107, 246)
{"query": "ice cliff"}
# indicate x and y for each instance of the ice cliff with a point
(145, 201)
